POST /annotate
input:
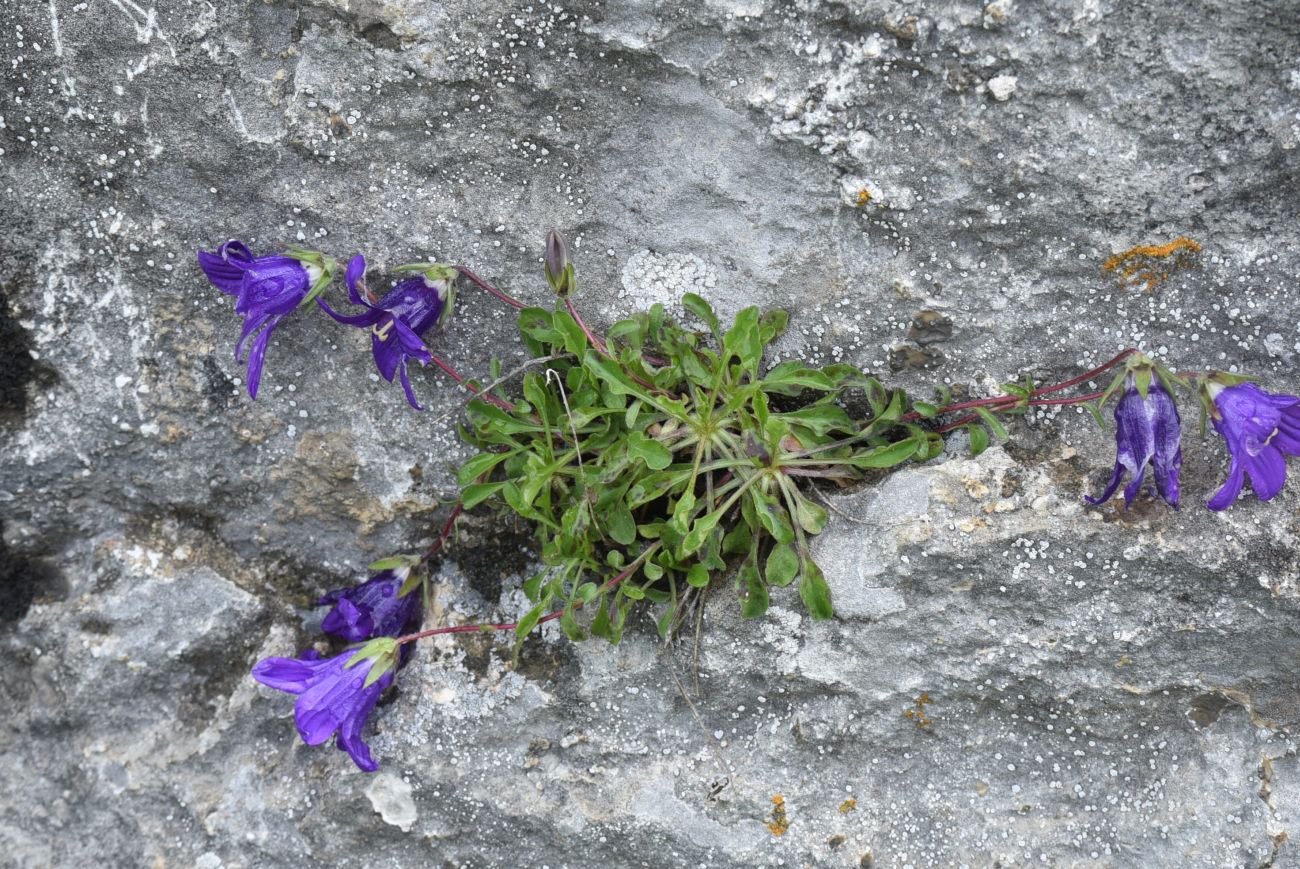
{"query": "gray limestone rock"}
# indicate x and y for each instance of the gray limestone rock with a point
(931, 190)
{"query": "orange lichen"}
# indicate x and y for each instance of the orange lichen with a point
(848, 805)
(863, 197)
(1152, 264)
(779, 823)
(918, 716)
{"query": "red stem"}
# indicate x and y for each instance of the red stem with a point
(491, 289)
(1011, 399)
(444, 534)
(455, 375)
(596, 342)
(1088, 375)
(510, 626)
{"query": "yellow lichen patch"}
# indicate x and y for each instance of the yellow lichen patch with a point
(848, 805)
(918, 716)
(863, 197)
(1152, 264)
(779, 823)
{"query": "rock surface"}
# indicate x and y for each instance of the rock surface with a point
(932, 191)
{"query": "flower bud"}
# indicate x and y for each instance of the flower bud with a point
(559, 270)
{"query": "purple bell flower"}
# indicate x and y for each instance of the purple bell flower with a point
(373, 609)
(1146, 432)
(398, 323)
(333, 697)
(1261, 429)
(267, 289)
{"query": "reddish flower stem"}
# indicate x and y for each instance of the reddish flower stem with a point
(444, 534)
(510, 626)
(513, 302)
(595, 340)
(1087, 375)
(1011, 399)
(455, 375)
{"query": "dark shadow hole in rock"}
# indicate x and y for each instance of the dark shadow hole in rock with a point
(17, 367)
(1205, 709)
(380, 35)
(23, 579)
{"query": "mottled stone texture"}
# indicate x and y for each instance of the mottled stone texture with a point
(930, 188)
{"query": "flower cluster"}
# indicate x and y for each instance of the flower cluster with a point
(336, 695)
(270, 288)
(1260, 428)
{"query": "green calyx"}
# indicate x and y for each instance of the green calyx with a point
(325, 267)
(382, 652)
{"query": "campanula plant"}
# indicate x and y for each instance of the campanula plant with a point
(267, 289)
(664, 458)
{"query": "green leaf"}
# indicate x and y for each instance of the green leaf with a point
(600, 625)
(884, 456)
(821, 418)
(753, 602)
(815, 592)
(655, 455)
(478, 466)
(569, 624)
(782, 565)
(737, 539)
(632, 591)
(772, 517)
(633, 410)
(528, 622)
(1096, 413)
(697, 576)
(587, 592)
(682, 512)
(699, 532)
(575, 340)
(772, 325)
(473, 495)
(742, 339)
(620, 524)
(811, 517)
(793, 377)
(979, 439)
(927, 411)
(995, 425)
(702, 311)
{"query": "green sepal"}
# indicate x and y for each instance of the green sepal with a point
(392, 562)
(382, 651)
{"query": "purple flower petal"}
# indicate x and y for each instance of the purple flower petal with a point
(406, 386)
(284, 674)
(1259, 428)
(236, 251)
(387, 354)
(1267, 472)
(373, 609)
(1146, 433)
(224, 276)
(353, 276)
(1227, 494)
(256, 355)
